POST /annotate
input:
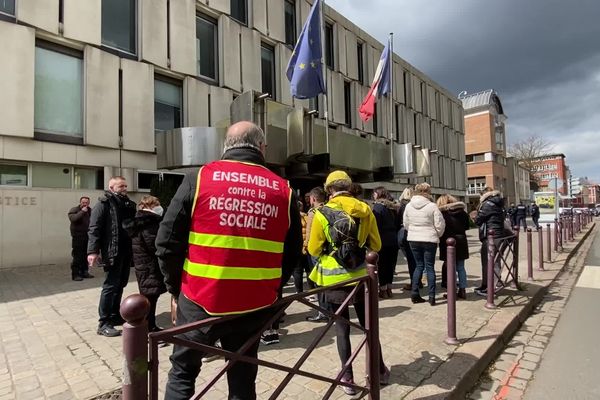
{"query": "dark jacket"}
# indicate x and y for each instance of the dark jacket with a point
(80, 222)
(535, 211)
(172, 237)
(457, 224)
(386, 217)
(521, 211)
(402, 234)
(142, 230)
(490, 214)
(106, 235)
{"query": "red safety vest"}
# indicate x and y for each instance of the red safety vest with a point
(240, 218)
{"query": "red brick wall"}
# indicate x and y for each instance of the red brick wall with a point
(479, 134)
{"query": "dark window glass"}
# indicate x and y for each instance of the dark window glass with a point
(147, 179)
(267, 64)
(7, 7)
(206, 47)
(375, 127)
(88, 178)
(239, 10)
(407, 84)
(360, 60)
(118, 24)
(13, 175)
(167, 105)
(329, 45)
(397, 121)
(290, 22)
(348, 103)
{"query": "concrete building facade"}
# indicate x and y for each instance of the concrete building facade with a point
(485, 143)
(86, 86)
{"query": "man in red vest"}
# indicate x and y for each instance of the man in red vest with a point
(230, 235)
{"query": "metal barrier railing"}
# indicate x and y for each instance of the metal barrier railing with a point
(140, 349)
(502, 264)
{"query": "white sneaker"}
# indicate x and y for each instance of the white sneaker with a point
(212, 357)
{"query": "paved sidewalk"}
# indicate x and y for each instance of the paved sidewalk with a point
(50, 350)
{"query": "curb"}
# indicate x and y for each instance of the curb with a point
(472, 374)
(491, 340)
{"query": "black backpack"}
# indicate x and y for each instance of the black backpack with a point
(344, 245)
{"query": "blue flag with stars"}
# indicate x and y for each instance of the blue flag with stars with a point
(304, 70)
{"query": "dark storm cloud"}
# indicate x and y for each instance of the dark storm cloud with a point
(541, 56)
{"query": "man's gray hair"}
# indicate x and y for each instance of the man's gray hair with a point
(252, 137)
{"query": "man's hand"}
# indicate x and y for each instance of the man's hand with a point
(173, 310)
(92, 259)
(84, 209)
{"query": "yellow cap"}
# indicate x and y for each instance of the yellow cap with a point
(337, 176)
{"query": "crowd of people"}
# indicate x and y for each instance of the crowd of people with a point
(223, 247)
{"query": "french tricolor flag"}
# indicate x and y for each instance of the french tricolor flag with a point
(379, 87)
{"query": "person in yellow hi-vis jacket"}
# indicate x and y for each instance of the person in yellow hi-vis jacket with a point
(342, 231)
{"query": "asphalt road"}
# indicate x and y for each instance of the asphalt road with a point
(570, 366)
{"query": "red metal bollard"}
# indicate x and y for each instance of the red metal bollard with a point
(372, 323)
(563, 225)
(548, 244)
(540, 249)
(451, 293)
(529, 256)
(135, 347)
(491, 287)
(556, 235)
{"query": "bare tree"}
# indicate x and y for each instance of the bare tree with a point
(530, 148)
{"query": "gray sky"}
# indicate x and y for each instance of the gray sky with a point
(541, 56)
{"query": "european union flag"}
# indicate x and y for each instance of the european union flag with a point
(304, 70)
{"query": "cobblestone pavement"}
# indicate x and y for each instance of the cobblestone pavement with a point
(507, 377)
(49, 348)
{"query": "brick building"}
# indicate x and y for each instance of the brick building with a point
(485, 143)
(548, 167)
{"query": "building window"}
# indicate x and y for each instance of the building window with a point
(290, 22)
(7, 7)
(206, 47)
(88, 178)
(13, 175)
(361, 62)
(397, 121)
(119, 25)
(348, 103)
(239, 10)
(329, 61)
(267, 64)
(51, 176)
(167, 105)
(375, 115)
(58, 105)
(424, 97)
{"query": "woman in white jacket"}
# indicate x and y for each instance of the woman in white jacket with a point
(425, 224)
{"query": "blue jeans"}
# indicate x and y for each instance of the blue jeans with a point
(424, 253)
(462, 274)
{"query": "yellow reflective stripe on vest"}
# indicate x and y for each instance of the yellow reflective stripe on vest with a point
(239, 273)
(328, 272)
(235, 242)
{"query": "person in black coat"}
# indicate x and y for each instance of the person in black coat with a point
(521, 215)
(80, 222)
(386, 217)
(535, 215)
(457, 224)
(109, 247)
(142, 229)
(490, 216)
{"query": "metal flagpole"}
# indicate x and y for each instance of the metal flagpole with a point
(391, 98)
(324, 67)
